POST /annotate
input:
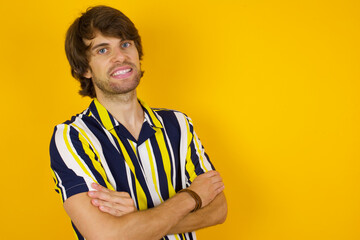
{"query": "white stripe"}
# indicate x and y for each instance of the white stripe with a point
(171, 237)
(145, 160)
(142, 169)
(67, 157)
(97, 145)
(63, 192)
(148, 119)
(128, 175)
(183, 146)
(202, 152)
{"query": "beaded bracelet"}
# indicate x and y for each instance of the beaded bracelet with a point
(195, 196)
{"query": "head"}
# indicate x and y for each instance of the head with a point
(100, 19)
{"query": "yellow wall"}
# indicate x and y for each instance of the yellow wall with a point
(272, 86)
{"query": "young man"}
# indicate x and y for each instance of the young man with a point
(124, 170)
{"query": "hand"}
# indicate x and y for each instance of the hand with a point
(207, 186)
(112, 202)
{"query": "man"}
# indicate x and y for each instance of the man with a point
(124, 170)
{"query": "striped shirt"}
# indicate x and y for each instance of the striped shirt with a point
(94, 147)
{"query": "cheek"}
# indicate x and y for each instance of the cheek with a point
(97, 67)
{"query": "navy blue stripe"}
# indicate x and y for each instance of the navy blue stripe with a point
(212, 166)
(195, 159)
(75, 140)
(173, 131)
(94, 110)
(191, 236)
(114, 158)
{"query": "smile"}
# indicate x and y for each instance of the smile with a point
(121, 72)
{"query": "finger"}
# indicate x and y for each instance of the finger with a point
(219, 190)
(126, 207)
(218, 187)
(99, 187)
(112, 197)
(111, 211)
(216, 178)
(100, 195)
(95, 202)
(123, 194)
(210, 173)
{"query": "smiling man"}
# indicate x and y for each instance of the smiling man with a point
(125, 170)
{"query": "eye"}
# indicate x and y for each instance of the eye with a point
(102, 51)
(125, 44)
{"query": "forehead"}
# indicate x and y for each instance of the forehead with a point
(100, 38)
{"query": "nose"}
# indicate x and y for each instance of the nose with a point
(118, 55)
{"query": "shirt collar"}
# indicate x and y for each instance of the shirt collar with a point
(109, 122)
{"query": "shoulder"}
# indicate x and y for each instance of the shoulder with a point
(76, 123)
(171, 114)
(174, 118)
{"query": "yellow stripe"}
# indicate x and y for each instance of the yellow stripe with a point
(190, 168)
(104, 115)
(199, 152)
(105, 119)
(153, 169)
(142, 200)
(166, 160)
(77, 237)
(86, 146)
(176, 236)
(75, 156)
(189, 134)
(152, 115)
(133, 147)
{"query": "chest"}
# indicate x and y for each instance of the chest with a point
(148, 169)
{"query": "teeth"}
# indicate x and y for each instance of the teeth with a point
(122, 72)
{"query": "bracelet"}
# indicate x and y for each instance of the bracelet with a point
(195, 196)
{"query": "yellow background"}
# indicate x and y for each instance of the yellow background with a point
(272, 86)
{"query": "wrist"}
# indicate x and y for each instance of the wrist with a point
(194, 196)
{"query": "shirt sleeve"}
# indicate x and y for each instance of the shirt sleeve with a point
(74, 162)
(197, 161)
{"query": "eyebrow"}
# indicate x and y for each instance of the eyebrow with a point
(99, 45)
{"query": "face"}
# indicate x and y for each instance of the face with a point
(114, 65)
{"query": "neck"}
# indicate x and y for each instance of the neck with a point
(126, 109)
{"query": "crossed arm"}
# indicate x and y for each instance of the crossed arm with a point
(172, 216)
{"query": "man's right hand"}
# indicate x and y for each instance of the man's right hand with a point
(207, 186)
(112, 202)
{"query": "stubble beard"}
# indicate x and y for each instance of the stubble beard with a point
(111, 90)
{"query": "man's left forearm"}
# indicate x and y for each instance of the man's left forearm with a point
(213, 214)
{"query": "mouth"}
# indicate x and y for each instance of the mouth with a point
(122, 72)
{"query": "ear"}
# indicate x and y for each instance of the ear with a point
(87, 74)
